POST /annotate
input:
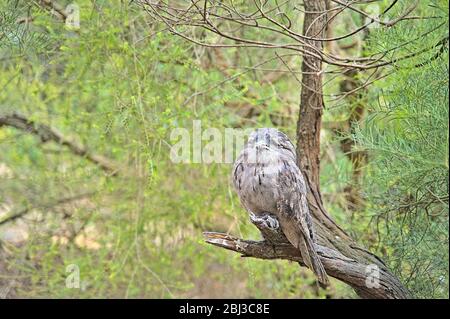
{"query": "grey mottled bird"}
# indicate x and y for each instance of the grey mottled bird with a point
(268, 180)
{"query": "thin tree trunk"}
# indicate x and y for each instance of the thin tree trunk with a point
(308, 150)
(311, 99)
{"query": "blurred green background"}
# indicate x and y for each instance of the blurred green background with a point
(119, 84)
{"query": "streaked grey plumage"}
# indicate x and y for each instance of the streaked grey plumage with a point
(268, 180)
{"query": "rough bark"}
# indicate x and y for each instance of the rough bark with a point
(311, 99)
(336, 265)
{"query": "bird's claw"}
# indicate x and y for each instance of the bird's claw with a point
(265, 221)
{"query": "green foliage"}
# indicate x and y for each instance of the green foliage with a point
(407, 135)
(17, 36)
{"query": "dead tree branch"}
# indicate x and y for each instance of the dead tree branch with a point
(13, 216)
(226, 20)
(357, 274)
(55, 8)
(47, 133)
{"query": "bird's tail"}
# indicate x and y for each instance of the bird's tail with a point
(312, 260)
(300, 238)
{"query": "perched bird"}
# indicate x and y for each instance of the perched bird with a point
(268, 180)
